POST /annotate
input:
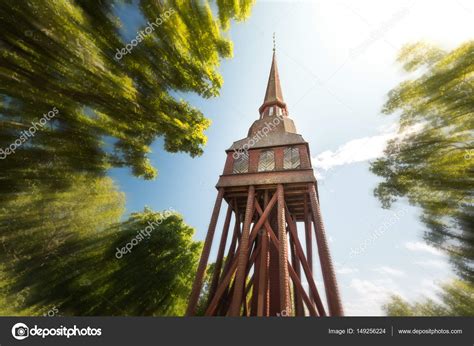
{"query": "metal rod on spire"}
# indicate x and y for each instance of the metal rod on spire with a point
(274, 43)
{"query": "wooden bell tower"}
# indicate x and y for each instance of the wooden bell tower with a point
(270, 191)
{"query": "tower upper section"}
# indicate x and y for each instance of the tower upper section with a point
(273, 152)
(273, 100)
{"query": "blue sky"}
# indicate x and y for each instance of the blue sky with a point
(336, 63)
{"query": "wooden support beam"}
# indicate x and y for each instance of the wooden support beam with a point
(242, 256)
(197, 285)
(307, 219)
(220, 253)
(298, 302)
(264, 217)
(304, 263)
(262, 293)
(329, 276)
(308, 234)
(255, 252)
(285, 303)
(256, 277)
(233, 244)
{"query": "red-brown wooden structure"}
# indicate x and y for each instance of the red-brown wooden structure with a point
(270, 188)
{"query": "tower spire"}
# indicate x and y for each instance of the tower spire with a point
(273, 94)
(274, 43)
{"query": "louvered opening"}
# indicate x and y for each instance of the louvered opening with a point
(267, 161)
(241, 164)
(291, 158)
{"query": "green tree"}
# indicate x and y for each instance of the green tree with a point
(45, 237)
(432, 161)
(456, 299)
(152, 277)
(63, 54)
(69, 258)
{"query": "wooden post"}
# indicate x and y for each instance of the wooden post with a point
(242, 256)
(304, 263)
(299, 310)
(285, 303)
(329, 276)
(220, 254)
(308, 234)
(263, 272)
(233, 244)
(197, 285)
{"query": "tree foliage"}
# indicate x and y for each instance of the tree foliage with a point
(66, 258)
(432, 161)
(456, 299)
(63, 54)
(60, 216)
(44, 239)
(154, 278)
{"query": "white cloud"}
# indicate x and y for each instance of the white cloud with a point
(423, 247)
(359, 150)
(346, 270)
(432, 264)
(356, 150)
(372, 295)
(367, 287)
(367, 297)
(389, 271)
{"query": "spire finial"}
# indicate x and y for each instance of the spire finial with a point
(273, 94)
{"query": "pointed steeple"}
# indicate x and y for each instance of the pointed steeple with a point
(273, 94)
(274, 127)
